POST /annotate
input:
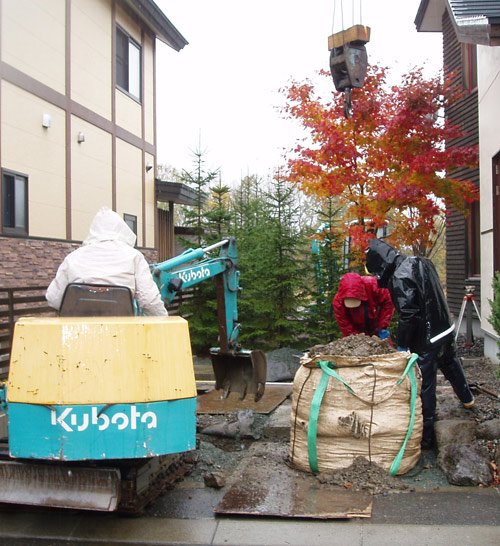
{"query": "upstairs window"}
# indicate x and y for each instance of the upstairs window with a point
(128, 64)
(14, 204)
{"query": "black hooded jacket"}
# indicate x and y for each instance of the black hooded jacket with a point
(416, 294)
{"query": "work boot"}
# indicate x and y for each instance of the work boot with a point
(428, 438)
(469, 405)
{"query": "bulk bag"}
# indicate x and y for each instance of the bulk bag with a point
(345, 407)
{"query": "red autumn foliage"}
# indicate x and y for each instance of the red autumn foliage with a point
(387, 162)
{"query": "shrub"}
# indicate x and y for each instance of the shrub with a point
(495, 309)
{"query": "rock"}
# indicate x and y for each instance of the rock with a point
(449, 407)
(489, 430)
(242, 428)
(282, 364)
(454, 431)
(465, 465)
(214, 479)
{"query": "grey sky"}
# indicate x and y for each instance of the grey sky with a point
(224, 84)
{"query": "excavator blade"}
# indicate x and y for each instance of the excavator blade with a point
(59, 486)
(243, 371)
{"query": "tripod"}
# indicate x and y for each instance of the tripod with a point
(468, 304)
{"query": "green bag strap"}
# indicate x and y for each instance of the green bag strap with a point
(312, 430)
(328, 370)
(410, 371)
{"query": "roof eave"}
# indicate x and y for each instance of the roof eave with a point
(154, 18)
(175, 192)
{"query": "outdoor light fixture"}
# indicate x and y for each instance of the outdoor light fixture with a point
(80, 138)
(148, 167)
(46, 121)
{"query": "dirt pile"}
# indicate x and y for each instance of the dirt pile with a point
(363, 476)
(358, 345)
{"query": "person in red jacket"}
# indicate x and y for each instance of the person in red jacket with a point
(361, 307)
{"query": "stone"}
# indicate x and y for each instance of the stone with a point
(454, 431)
(465, 465)
(282, 364)
(489, 430)
(241, 428)
(214, 479)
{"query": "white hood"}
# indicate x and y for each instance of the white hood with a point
(107, 225)
(108, 256)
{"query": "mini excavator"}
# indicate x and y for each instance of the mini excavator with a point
(101, 401)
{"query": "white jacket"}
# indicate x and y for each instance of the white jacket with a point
(108, 256)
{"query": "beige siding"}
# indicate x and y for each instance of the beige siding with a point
(129, 183)
(33, 39)
(148, 90)
(150, 204)
(128, 24)
(489, 137)
(128, 113)
(38, 153)
(91, 63)
(90, 174)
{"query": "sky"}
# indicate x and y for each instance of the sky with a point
(220, 93)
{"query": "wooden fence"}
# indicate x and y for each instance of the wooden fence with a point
(30, 301)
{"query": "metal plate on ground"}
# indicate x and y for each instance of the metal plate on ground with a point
(213, 402)
(266, 486)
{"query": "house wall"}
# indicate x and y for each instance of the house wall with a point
(489, 135)
(57, 58)
(465, 114)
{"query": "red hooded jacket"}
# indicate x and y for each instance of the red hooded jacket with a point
(374, 313)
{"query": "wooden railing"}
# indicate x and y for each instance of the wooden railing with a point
(29, 301)
(14, 303)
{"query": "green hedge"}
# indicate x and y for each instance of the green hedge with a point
(495, 308)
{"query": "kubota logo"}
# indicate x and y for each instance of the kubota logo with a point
(71, 421)
(194, 274)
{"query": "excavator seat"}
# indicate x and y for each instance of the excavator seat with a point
(96, 300)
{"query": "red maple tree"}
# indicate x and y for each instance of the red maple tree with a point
(387, 164)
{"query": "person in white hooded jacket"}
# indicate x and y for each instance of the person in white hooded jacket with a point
(108, 256)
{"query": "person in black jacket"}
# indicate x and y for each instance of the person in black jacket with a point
(424, 326)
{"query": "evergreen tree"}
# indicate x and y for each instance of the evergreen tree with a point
(199, 180)
(200, 309)
(327, 247)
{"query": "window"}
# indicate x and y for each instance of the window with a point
(128, 64)
(469, 66)
(131, 222)
(474, 241)
(14, 204)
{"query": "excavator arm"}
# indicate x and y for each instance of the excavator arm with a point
(235, 369)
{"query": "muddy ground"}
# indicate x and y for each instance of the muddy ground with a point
(220, 454)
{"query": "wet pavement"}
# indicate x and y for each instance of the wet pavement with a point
(439, 518)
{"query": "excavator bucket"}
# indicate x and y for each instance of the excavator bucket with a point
(243, 371)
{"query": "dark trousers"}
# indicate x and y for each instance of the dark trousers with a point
(445, 359)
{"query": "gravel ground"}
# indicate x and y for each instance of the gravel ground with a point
(223, 454)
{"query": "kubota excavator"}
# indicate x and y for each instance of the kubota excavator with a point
(101, 401)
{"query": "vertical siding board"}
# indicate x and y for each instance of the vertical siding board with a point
(465, 114)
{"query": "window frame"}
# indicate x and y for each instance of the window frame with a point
(122, 61)
(24, 229)
(127, 218)
(474, 240)
(469, 67)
